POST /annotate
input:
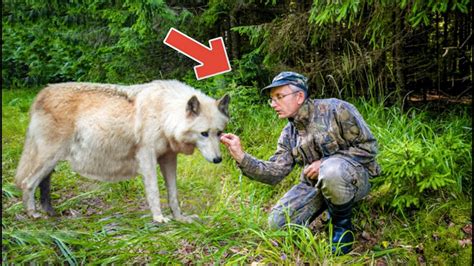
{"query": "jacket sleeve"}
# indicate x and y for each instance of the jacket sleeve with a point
(276, 168)
(362, 146)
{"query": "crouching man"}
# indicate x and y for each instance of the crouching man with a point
(330, 139)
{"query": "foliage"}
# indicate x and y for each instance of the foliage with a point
(421, 157)
(379, 27)
(369, 48)
(62, 41)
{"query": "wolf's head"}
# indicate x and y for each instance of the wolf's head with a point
(207, 120)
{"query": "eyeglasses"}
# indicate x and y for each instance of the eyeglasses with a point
(279, 97)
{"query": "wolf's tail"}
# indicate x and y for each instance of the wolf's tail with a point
(27, 161)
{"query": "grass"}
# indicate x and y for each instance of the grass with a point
(109, 223)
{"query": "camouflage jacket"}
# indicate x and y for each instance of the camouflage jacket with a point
(322, 128)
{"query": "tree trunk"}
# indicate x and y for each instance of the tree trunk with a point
(398, 53)
(445, 45)
(438, 77)
(234, 36)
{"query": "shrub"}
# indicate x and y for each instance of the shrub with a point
(422, 158)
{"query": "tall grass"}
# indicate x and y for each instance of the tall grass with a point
(104, 223)
(421, 156)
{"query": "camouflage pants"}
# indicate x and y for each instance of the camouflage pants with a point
(339, 181)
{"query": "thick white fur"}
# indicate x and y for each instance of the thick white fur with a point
(111, 132)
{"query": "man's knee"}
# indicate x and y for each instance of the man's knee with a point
(335, 180)
(332, 167)
(332, 171)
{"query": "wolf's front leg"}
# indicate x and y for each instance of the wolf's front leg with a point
(168, 169)
(147, 168)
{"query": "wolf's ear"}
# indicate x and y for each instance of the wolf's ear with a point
(223, 104)
(193, 106)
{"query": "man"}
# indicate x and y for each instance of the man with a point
(330, 139)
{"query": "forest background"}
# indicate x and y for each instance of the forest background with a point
(407, 66)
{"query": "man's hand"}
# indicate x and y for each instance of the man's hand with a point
(232, 142)
(312, 171)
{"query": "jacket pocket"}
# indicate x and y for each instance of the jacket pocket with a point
(329, 148)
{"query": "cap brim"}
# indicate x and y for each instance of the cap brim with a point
(274, 85)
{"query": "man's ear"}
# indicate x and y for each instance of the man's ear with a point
(301, 97)
(193, 107)
(223, 105)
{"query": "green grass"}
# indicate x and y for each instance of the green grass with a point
(110, 222)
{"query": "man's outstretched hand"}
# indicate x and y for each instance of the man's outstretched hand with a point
(232, 142)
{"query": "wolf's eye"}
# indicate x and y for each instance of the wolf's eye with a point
(205, 134)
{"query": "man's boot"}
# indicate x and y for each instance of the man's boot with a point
(342, 236)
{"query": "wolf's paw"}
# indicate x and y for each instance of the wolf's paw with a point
(34, 214)
(50, 211)
(160, 219)
(187, 219)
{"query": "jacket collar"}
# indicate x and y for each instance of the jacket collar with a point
(304, 115)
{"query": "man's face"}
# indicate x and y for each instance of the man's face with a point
(286, 102)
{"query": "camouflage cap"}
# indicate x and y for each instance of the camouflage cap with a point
(286, 78)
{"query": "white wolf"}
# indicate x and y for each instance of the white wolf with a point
(112, 132)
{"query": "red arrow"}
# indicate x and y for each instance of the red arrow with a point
(212, 61)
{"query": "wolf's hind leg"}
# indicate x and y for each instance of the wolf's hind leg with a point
(29, 184)
(45, 195)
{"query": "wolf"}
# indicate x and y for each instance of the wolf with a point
(112, 132)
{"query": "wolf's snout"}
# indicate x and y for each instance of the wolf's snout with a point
(217, 160)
